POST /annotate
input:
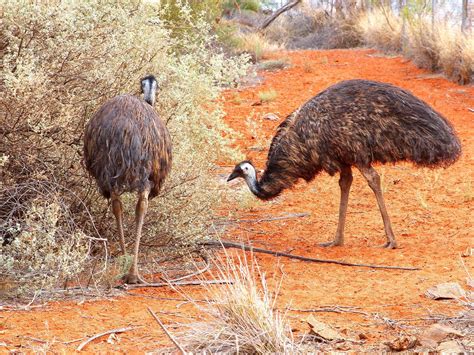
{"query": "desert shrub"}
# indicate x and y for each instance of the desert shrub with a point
(439, 47)
(61, 61)
(306, 28)
(41, 244)
(240, 317)
(422, 46)
(456, 54)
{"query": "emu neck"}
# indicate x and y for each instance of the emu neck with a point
(261, 189)
(253, 184)
(149, 93)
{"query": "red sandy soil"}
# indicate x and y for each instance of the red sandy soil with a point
(431, 212)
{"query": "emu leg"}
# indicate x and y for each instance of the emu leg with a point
(140, 212)
(345, 181)
(374, 182)
(117, 210)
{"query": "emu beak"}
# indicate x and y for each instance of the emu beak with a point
(232, 176)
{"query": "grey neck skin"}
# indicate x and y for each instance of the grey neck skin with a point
(251, 180)
(149, 92)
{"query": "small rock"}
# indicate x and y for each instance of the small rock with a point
(436, 333)
(363, 336)
(323, 330)
(402, 343)
(447, 290)
(271, 117)
(450, 347)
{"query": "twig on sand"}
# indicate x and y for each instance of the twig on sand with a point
(198, 272)
(269, 219)
(227, 244)
(183, 283)
(113, 331)
(180, 348)
(334, 309)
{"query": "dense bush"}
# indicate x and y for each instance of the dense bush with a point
(60, 63)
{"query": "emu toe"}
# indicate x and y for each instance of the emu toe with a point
(390, 245)
(334, 243)
(132, 279)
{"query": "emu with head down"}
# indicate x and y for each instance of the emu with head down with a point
(128, 148)
(354, 123)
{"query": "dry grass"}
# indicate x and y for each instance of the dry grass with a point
(440, 48)
(381, 29)
(241, 316)
(256, 45)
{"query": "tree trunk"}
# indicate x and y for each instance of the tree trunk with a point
(277, 13)
(464, 15)
(433, 12)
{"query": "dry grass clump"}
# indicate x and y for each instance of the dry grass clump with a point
(256, 45)
(381, 29)
(307, 28)
(240, 316)
(456, 55)
(441, 47)
(61, 62)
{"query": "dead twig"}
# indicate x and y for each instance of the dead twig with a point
(198, 272)
(227, 244)
(184, 283)
(180, 348)
(278, 218)
(113, 331)
(333, 309)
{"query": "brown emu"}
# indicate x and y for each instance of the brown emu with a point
(128, 148)
(353, 123)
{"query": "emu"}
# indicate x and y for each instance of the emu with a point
(354, 123)
(128, 148)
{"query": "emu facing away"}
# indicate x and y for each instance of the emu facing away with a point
(354, 123)
(128, 148)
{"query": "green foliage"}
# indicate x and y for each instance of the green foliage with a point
(62, 61)
(268, 95)
(241, 5)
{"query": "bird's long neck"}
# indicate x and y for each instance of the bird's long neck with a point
(266, 188)
(149, 92)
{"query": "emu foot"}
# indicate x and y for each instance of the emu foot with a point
(390, 245)
(334, 243)
(133, 278)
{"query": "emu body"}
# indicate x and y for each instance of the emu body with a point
(127, 148)
(354, 123)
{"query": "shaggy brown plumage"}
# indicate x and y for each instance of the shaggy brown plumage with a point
(127, 147)
(354, 123)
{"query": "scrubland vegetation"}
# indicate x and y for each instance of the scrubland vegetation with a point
(61, 62)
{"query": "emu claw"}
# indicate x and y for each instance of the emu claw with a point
(334, 243)
(132, 279)
(390, 245)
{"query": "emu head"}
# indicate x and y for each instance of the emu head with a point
(148, 89)
(243, 170)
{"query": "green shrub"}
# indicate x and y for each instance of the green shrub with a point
(62, 61)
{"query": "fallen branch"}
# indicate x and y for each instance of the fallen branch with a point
(227, 244)
(113, 331)
(184, 283)
(180, 348)
(333, 309)
(277, 13)
(198, 272)
(278, 218)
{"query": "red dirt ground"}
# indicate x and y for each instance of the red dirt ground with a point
(431, 212)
